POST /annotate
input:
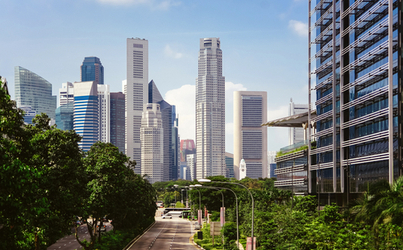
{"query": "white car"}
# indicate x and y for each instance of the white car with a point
(167, 217)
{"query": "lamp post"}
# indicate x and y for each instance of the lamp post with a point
(236, 211)
(176, 186)
(198, 215)
(234, 183)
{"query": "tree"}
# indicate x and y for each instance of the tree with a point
(40, 175)
(110, 181)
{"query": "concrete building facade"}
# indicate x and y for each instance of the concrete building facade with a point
(152, 143)
(250, 138)
(210, 110)
(136, 96)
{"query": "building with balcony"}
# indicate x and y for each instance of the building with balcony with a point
(291, 162)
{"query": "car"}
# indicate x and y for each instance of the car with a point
(101, 228)
(167, 217)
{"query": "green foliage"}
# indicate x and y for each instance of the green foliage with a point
(45, 182)
(306, 204)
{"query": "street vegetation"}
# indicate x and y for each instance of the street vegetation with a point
(372, 222)
(48, 186)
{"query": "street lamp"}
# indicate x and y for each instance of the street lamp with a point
(236, 203)
(176, 186)
(199, 213)
(253, 201)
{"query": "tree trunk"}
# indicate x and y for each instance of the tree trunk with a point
(36, 241)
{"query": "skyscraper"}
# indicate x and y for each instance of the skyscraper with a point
(32, 90)
(117, 118)
(250, 138)
(137, 95)
(104, 113)
(86, 113)
(296, 134)
(152, 136)
(210, 110)
(66, 93)
(65, 116)
(167, 110)
(355, 58)
(92, 70)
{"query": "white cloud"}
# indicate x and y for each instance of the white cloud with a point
(298, 27)
(230, 87)
(168, 51)
(153, 4)
(184, 100)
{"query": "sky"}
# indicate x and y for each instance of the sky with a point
(264, 45)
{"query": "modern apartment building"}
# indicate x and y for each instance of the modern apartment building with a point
(250, 138)
(296, 134)
(86, 113)
(117, 120)
(210, 110)
(92, 70)
(355, 61)
(136, 96)
(152, 146)
(34, 91)
(104, 116)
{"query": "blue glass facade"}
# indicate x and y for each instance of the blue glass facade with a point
(65, 117)
(117, 120)
(34, 91)
(86, 113)
(354, 58)
(92, 70)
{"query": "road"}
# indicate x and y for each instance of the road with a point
(69, 242)
(172, 234)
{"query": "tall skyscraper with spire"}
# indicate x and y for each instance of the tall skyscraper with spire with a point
(136, 96)
(210, 110)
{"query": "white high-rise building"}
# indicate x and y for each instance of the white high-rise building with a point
(296, 134)
(104, 121)
(250, 138)
(152, 136)
(136, 96)
(66, 93)
(191, 165)
(210, 110)
(86, 113)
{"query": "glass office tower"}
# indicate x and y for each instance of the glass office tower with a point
(117, 116)
(65, 116)
(32, 90)
(355, 54)
(92, 70)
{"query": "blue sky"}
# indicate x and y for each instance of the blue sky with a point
(264, 46)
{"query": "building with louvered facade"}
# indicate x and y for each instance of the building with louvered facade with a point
(354, 66)
(250, 138)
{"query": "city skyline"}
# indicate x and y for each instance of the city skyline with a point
(275, 32)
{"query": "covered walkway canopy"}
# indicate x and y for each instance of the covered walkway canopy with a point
(292, 121)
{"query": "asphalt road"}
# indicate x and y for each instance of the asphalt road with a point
(170, 234)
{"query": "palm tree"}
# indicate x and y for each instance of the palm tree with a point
(383, 203)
